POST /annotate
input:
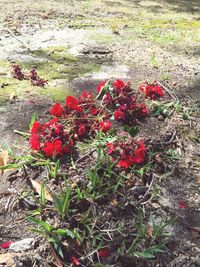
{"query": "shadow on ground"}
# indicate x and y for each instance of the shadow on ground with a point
(178, 5)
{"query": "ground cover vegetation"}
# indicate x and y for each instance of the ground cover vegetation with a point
(100, 217)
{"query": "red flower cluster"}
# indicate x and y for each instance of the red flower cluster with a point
(36, 80)
(74, 122)
(17, 72)
(81, 117)
(123, 101)
(50, 138)
(33, 76)
(153, 91)
(127, 153)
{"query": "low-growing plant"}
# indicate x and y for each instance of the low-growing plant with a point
(62, 201)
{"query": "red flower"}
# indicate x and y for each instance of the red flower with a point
(152, 91)
(81, 130)
(36, 126)
(119, 85)
(125, 163)
(72, 103)
(110, 147)
(139, 154)
(143, 110)
(50, 123)
(36, 80)
(58, 129)
(66, 149)
(57, 110)
(99, 87)
(86, 96)
(34, 142)
(53, 148)
(17, 72)
(105, 126)
(119, 115)
(6, 245)
(182, 205)
(94, 111)
(74, 260)
(104, 252)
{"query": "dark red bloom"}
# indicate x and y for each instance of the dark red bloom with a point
(104, 252)
(105, 126)
(86, 96)
(94, 111)
(53, 148)
(99, 87)
(36, 80)
(17, 72)
(57, 110)
(75, 261)
(143, 110)
(139, 154)
(119, 115)
(81, 130)
(119, 85)
(6, 245)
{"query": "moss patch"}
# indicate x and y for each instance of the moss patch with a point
(56, 64)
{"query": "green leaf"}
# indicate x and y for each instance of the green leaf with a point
(144, 255)
(47, 227)
(58, 249)
(66, 232)
(35, 212)
(33, 119)
(134, 130)
(42, 194)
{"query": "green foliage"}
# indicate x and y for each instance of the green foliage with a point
(62, 201)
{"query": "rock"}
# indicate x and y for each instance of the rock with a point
(139, 190)
(22, 245)
(7, 260)
(161, 118)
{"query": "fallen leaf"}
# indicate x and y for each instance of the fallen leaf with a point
(196, 229)
(114, 202)
(6, 260)
(149, 230)
(37, 186)
(12, 96)
(158, 159)
(198, 179)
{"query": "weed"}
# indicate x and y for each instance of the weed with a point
(54, 236)
(62, 201)
(156, 235)
(154, 60)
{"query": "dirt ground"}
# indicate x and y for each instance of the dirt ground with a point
(76, 44)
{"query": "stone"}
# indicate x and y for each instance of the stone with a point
(22, 245)
(161, 118)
